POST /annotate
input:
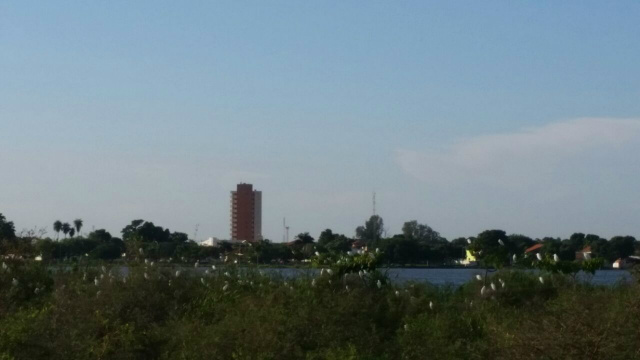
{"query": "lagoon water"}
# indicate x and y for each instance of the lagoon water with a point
(459, 276)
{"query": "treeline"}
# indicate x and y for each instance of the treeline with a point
(418, 244)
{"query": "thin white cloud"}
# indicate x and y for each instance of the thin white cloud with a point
(522, 158)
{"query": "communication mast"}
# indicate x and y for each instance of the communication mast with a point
(285, 231)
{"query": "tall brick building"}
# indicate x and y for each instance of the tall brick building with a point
(246, 213)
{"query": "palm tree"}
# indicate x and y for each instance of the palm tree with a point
(72, 232)
(57, 226)
(66, 228)
(78, 225)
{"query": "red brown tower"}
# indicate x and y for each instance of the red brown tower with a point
(246, 213)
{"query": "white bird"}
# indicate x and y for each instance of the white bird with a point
(556, 258)
(177, 273)
(207, 272)
(146, 276)
(124, 255)
(397, 293)
(321, 271)
(329, 271)
(38, 258)
(541, 280)
(14, 282)
(124, 281)
(479, 277)
(360, 273)
(84, 277)
(146, 261)
(539, 256)
(141, 251)
(503, 284)
(483, 290)
(96, 282)
(500, 242)
(406, 327)
(226, 273)
(98, 293)
(379, 283)
(469, 241)
(431, 305)
(225, 287)
(151, 264)
(4, 266)
(196, 264)
(36, 291)
(235, 261)
(515, 258)
(493, 286)
(377, 250)
(213, 267)
(317, 253)
(104, 269)
(347, 288)
(202, 281)
(587, 256)
(313, 282)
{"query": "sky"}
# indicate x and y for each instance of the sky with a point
(464, 115)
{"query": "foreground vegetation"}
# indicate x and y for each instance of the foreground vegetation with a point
(347, 311)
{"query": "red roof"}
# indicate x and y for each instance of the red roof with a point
(533, 248)
(586, 249)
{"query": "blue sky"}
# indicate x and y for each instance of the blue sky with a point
(463, 115)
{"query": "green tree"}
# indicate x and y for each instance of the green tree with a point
(492, 248)
(66, 228)
(7, 229)
(77, 223)
(72, 232)
(57, 227)
(372, 230)
(421, 232)
(621, 247)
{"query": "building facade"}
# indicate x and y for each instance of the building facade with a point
(246, 213)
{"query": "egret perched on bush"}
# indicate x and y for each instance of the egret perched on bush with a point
(329, 271)
(96, 282)
(379, 283)
(14, 282)
(541, 280)
(469, 241)
(515, 258)
(4, 266)
(140, 251)
(500, 242)
(587, 256)
(397, 293)
(196, 264)
(317, 253)
(539, 256)
(213, 267)
(347, 288)
(177, 273)
(556, 258)
(146, 276)
(313, 282)
(431, 305)
(483, 290)
(36, 291)
(202, 281)
(479, 277)
(493, 286)
(225, 287)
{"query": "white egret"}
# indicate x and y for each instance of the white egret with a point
(360, 273)
(4, 266)
(397, 293)
(556, 258)
(347, 288)
(225, 287)
(177, 273)
(202, 281)
(38, 258)
(321, 271)
(431, 305)
(469, 241)
(483, 290)
(406, 327)
(124, 255)
(313, 282)
(36, 291)
(235, 261)
(196, 264)
(96, 282)
(146, 276)
(213, 267)
(226, 273)
(104, 269)
(98, 293)
(146, 261)
(493, 286)
(479, 277)
(14, 282)
(140, 251)
(541, 280)
(151, 264)
(207, 272)
(377, 250)
(317, 253)
(539, 256)
(379, 283)
(500, 242)
(329, 271)
(515, 258)
(587, 256)
(330, 282)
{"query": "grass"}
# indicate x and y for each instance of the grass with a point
(236, 313)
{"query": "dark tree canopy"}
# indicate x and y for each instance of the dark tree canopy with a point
(371, 231)
(7, 230)
(145, 231)
(421, 232)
